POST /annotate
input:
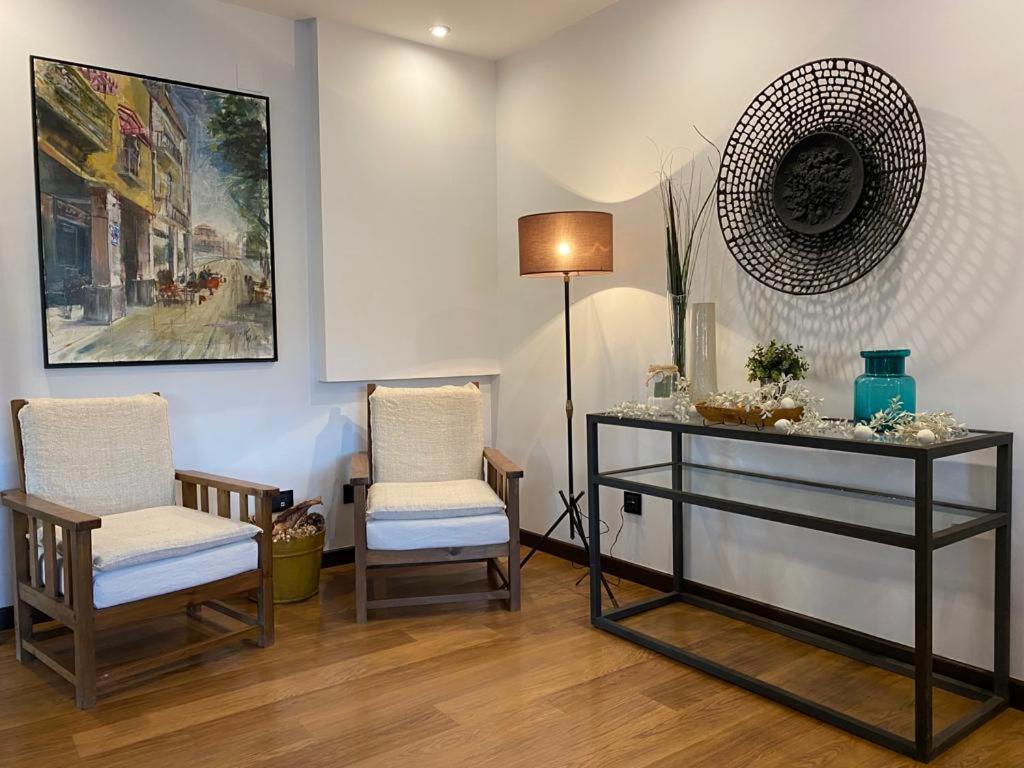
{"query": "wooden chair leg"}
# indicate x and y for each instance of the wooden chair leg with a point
(22, 629)
(514, 598)
(361, 613)
(265, 592)
(359, 526)
(22, 611)
(512, 508)
(85, 620)
(85, 663)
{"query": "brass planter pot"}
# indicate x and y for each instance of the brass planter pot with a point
(297, 568)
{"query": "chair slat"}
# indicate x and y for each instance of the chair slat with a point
(188, 495)
(50, 559)
(33, 552)
(223, 503)
(69, 595)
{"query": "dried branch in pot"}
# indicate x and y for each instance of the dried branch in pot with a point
(298, 522)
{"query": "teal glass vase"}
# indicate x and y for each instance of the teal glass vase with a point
(883, 379)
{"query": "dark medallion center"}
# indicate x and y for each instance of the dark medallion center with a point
(818, 183)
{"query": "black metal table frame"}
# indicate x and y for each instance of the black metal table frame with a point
(917, 662)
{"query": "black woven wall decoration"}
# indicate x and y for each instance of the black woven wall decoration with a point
(821, 176)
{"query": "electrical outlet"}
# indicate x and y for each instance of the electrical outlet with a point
(632, 503)
(283, 501)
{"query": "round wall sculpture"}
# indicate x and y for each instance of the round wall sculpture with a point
(821, 176)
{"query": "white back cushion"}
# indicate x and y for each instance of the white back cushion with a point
(99, 455)
(427, 434)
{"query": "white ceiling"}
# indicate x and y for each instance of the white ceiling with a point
(488, 28)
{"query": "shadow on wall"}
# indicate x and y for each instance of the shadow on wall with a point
(956, 260)
(334, 440)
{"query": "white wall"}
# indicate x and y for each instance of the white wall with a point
(407, 173)
(579, 117)
(576, 116)
(272, 423)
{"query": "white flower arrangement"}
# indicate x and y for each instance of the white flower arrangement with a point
(814, 424)
(892, 424)
(785, 393)
(631, 409)
(925, 427)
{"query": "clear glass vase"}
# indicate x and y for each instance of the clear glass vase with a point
(704, 363)
(677, 330)
(662, 385)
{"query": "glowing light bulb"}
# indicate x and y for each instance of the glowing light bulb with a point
(440, 30)
(564, 249)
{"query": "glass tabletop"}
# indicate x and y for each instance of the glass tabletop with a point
(972, 440)
(871, 509)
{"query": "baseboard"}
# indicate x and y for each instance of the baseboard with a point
(662, 582)
(639, 574)
(340, 556)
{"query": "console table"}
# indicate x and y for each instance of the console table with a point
(919, 523)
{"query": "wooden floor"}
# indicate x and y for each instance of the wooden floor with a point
(467, 686)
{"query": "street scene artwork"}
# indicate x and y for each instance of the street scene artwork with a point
(155, 238)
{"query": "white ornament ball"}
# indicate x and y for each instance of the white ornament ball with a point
(787, 402)
(783, 425)
(926, 437)
(863, 432)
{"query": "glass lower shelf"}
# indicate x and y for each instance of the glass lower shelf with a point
(845, 509)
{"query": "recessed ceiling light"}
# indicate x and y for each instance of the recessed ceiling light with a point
(440, 30)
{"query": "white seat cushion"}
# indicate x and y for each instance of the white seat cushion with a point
(148, 535)
(99, 455)
(446, 532)
(427, 434)
(430, 501)
(136, 582)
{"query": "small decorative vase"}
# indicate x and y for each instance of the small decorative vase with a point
(883, 379)
(662, 384)
(704, 370)
(677, 330)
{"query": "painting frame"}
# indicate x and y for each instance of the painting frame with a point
(271, 267)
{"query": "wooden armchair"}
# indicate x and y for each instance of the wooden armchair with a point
(421, 496)
(91, 469)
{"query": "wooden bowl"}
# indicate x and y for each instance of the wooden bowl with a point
(715, 414)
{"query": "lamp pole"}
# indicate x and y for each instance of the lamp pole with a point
(571, 502)
(568, 393)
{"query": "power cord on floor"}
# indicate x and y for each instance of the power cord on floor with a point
(606, 528)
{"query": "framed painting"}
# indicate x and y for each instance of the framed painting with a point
(155, 217)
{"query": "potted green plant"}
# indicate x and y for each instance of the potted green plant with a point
(770, 363)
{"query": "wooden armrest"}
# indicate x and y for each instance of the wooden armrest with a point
(360, 469)
(502, 463)
(225, 483)
(49, 512)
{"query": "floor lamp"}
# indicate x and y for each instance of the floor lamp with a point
(566, 244)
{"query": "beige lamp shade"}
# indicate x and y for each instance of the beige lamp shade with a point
(566, 242)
